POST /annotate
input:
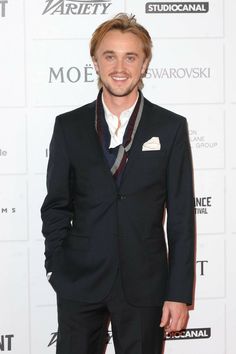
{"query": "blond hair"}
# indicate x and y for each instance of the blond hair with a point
(124, 23)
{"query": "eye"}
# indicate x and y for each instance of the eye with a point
(130, 58)
(109, 57)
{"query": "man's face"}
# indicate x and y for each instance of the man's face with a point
(120, 62)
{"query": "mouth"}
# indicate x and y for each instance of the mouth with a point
(119, 78)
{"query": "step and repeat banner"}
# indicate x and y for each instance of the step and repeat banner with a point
(45, 69)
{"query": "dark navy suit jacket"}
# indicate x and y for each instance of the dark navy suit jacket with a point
(92, 226)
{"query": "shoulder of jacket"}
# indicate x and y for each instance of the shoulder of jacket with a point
(165, 114)
(77, 114)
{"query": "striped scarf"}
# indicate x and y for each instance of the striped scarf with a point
(121, 157)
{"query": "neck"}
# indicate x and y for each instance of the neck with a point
(116, 104)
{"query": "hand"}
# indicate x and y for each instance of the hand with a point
(174, 316)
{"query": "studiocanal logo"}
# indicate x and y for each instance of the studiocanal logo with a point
(190, 333)
(176, 7)
(77, 7)
(3, 8)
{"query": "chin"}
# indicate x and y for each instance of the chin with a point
(120, 92)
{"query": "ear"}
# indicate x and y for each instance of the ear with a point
(144, 66)
(95, 64)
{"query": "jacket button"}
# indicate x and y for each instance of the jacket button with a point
(121, 196)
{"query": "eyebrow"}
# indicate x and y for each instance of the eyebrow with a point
(112, 52)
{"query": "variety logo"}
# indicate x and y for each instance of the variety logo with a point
(201, 267)
(176, 7)
(202, 204)
(190, 333)
(53, 339)
(3, 8)
(72, 74)
(77, 7)
(6, 342)
(179, 73)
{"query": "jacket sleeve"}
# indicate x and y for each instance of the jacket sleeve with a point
(180, 219)
(56, 211)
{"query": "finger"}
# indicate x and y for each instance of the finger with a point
(165, 317)
(178, 323)
(172, 325)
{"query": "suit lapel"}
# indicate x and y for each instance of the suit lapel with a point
(144, 129)
(99, 149)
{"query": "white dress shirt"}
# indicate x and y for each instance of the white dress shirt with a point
(112, 120)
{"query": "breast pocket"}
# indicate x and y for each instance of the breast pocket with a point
(152, 161)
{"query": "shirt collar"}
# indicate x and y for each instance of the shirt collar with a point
(126, 112)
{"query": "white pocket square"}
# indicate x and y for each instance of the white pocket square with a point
(152, 144)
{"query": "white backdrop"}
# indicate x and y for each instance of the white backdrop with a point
(45, 69)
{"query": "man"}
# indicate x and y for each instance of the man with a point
(115, 166)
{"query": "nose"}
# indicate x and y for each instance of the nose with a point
(119, 65)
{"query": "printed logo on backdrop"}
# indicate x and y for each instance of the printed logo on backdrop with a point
(179, 73)
(176, 7)
(53, 339)
(190, 333)
(3, 153)
(87, 73)
(3, 4)
(77, 7)
(199, 141)
(202, 204)
(72, 74)
(6, 342)
(7, 211)
(201, 267)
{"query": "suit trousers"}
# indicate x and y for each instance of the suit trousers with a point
(83, 327)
